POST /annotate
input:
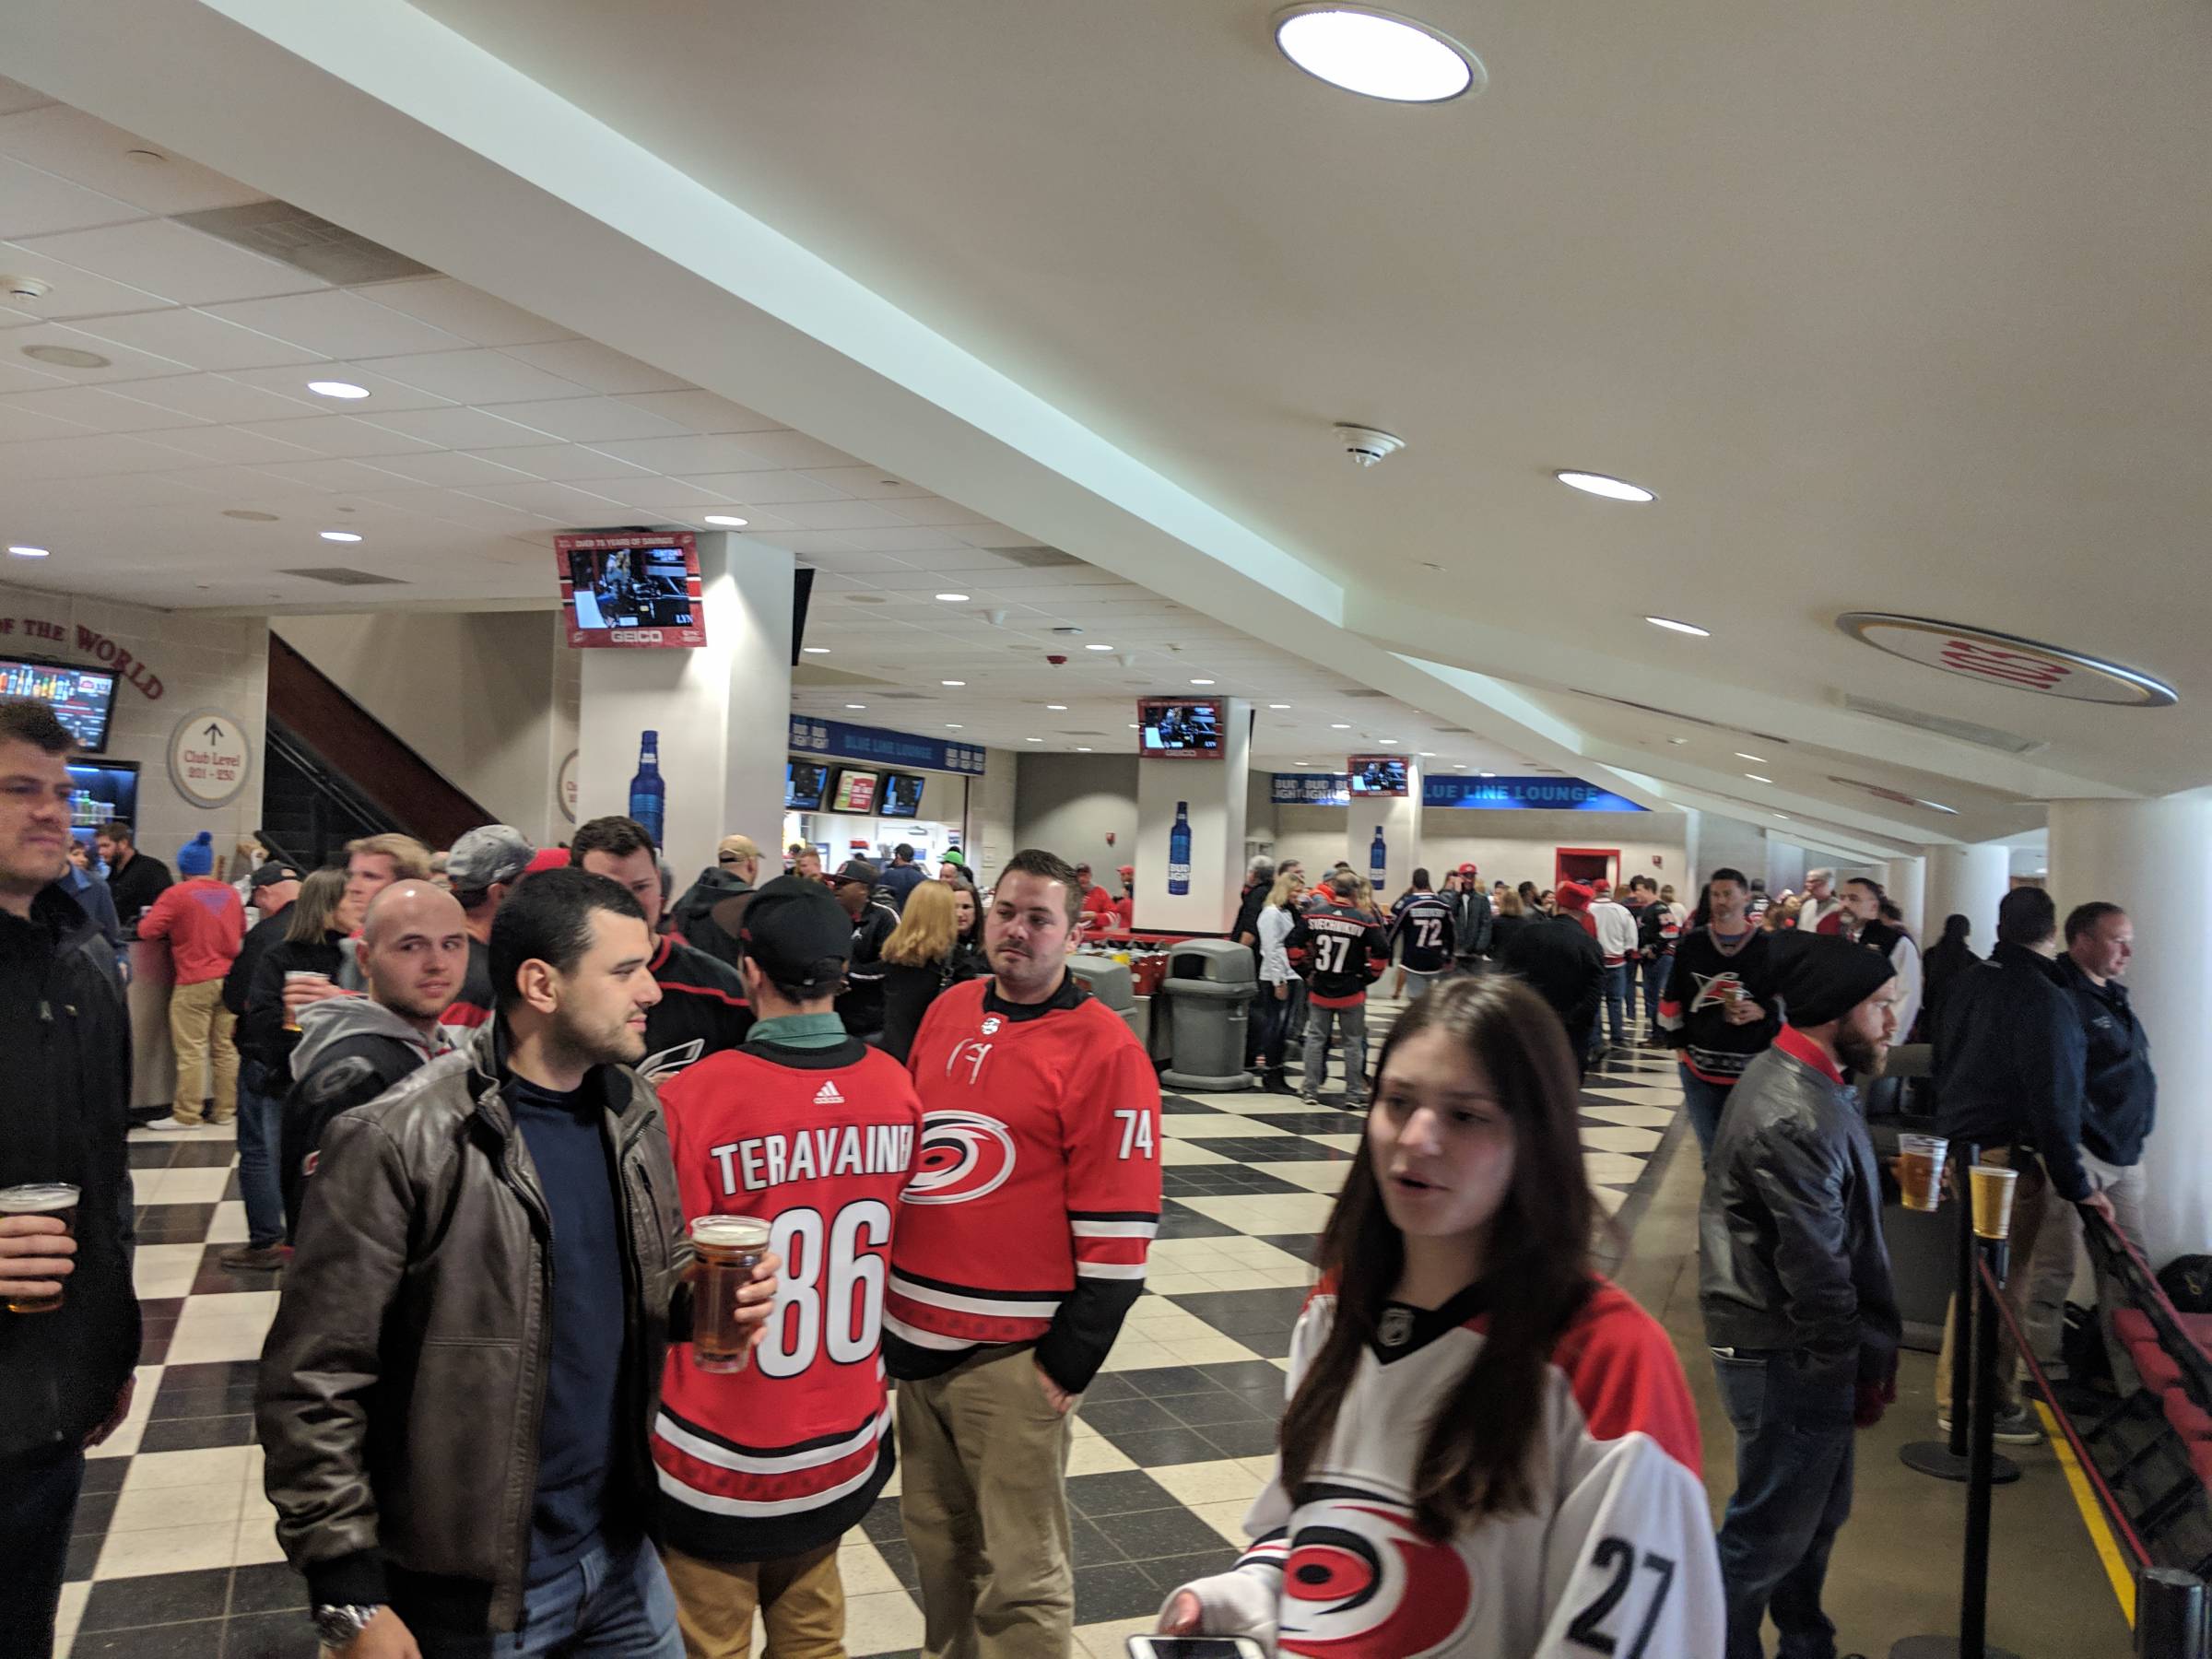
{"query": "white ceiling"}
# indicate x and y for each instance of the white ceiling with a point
(1895, 312)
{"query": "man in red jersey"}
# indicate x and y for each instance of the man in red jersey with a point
(812, 1131)
(1020, 1247)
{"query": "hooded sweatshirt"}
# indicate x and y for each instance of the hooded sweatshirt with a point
(351, 1050)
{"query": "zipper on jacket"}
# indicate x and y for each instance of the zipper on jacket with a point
(541, 1224)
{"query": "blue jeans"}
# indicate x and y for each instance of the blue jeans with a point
(1792, 1495)
(1654, 985)
(260, 1119)
(610, 1604)
(38, 1501)
(1617, 997)
(1704, 1102)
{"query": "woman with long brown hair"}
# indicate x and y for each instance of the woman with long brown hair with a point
(1490, 1451)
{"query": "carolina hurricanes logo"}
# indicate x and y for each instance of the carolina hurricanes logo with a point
(1361, 1582)
(659, 1068)
(963, 1154)
(991, 1025)
(1714, 989)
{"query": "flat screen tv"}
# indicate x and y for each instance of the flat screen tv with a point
(100, 791)
(638, 590)
(1376, 774)
(902, 796)
(82, 699)
(852, 789)
(1179, 729)
(803, 782)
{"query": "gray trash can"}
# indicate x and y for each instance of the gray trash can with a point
(1110, 982)
(1209, 988)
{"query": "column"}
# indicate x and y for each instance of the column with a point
(1907, 887)
(1213, 791)
(1400, 818)
(723, 711)
(2146, 856)
(1967, 881)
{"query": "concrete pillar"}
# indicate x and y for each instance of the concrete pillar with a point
(2144, 856)
(1400, 820)
(723, 711)
(1967, 881)
(1907, 885)
(1214, 791)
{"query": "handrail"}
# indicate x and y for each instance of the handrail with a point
(323, 780)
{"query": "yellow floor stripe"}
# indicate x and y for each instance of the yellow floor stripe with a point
(2092, 1517)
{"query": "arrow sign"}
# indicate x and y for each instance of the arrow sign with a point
(214, 733)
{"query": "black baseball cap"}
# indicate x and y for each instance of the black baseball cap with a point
(798, 934)
(270, 873)
(857, 869)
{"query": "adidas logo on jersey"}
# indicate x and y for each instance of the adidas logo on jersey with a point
(827, 1095)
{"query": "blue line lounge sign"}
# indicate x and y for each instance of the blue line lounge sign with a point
(1523, 794)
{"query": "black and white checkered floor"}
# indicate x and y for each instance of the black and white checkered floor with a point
(176, 1554)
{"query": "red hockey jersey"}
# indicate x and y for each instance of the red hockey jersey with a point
(1617, 1557)
(1036, 1192)
(782, 1457)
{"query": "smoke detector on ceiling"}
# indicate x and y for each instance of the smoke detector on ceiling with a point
(1366, 446)
(25, 288)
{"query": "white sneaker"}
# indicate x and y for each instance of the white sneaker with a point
(173, 1124)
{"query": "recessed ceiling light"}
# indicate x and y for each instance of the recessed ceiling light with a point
(1677, 740)
(68, 357)
(1134, 726)
(1377, 54)
(953, 598)
(1082, 748)
(727, 521)
(952, 682)
(816, 650)
(1428, 754)
(26, 552)
(1202, 682)
(856, 705)
(1098, 648)
(337, 389)
(1278, 705)
(1783, 816)
(1489, 774)
(1597, 484)
(1057, 708)
(1340, 726)
(1757, 779)
(1032, 740)
(1387, 742)
(951, 727)
(340, 536)
(1674, 626)
(1755, 759)
(1459, 766)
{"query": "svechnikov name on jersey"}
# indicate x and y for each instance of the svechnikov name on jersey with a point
(768, 1161)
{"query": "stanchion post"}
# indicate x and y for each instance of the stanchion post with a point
(2170, 1615)
(1973, 1591)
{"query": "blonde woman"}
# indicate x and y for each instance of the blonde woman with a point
(1282, 1004)
(925, 955)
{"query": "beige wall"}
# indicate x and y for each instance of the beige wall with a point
(1505, 846)
(1068, 804)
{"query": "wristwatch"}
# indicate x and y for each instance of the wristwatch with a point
(338, 1625)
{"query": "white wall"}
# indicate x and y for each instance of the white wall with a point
(1512, 847)
(1724, 843)
(1785, 866)
(473, 693)
(198, 662)
(1068, 804)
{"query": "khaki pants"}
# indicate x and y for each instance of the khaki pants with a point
(2031, 1201)
(199, 1030)
(983, 1494)
(800, 1598)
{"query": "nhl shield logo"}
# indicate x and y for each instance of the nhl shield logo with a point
(991, 1025)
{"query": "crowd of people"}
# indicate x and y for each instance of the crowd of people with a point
(498, 1107)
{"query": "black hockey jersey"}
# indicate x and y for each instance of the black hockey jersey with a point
(1699, 987)
(1348, 949)
(1422, 933)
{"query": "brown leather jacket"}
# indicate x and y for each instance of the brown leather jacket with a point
(402, 1381)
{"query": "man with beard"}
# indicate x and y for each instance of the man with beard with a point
(456, 1395)
(1799, 1308)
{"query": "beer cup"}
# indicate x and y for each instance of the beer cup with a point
(728, 1248)
(1992, 1186)
(291, 1015)
(1920, 1170)
(42, 1198)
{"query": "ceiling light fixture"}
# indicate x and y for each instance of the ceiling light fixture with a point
(726, 521)
(1377, 53)
(1755, 759)
(856, 705)
(1674, 626)
(1057, 708)
(816, 650)
(1489, 774)
(1032, 740)
(1202, 682)
(952, 682)
(1677, 740)
(340, 536)
(250, 514)
(1598, 483)
(1340, 726)
(953, 598)
(1082, 748)
(24, 552)
(1098, 648)
(1428, 754)
(1387, 742)
(345, 389)
(1757, 779)
(1278, 705)
(68, 357)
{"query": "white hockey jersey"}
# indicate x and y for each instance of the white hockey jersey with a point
(1617, 1558)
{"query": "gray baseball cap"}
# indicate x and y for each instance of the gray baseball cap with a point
(487, 856)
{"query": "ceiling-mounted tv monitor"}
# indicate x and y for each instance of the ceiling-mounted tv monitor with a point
(82, 699)
(1376, 774)
(852, 789)
(1184, 728)
(638, 589)
(902, 796)
(803, 782)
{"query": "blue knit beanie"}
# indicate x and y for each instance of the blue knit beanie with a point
(196, 857)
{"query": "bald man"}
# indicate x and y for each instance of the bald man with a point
(414, 956)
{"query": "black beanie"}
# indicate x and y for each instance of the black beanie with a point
(1823, 977)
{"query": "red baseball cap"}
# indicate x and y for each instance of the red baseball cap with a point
(1467, 869)
(551, 858)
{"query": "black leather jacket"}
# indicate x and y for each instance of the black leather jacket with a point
(1791, 1226)
(402, 1381)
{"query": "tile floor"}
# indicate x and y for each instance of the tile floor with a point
(175, 1552)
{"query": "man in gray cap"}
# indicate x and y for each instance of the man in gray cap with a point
(482, 868)
(861, 1006)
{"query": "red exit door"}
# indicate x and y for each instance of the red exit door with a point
(1588, 866)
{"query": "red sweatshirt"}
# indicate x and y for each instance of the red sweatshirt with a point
(204, 921)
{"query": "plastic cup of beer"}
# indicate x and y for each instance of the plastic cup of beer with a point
(291, 1015)
(728, 1248)
(56, 1198)
(1992, 1186)
(1920, 1170)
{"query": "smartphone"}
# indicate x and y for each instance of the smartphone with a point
(1195, 1647)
